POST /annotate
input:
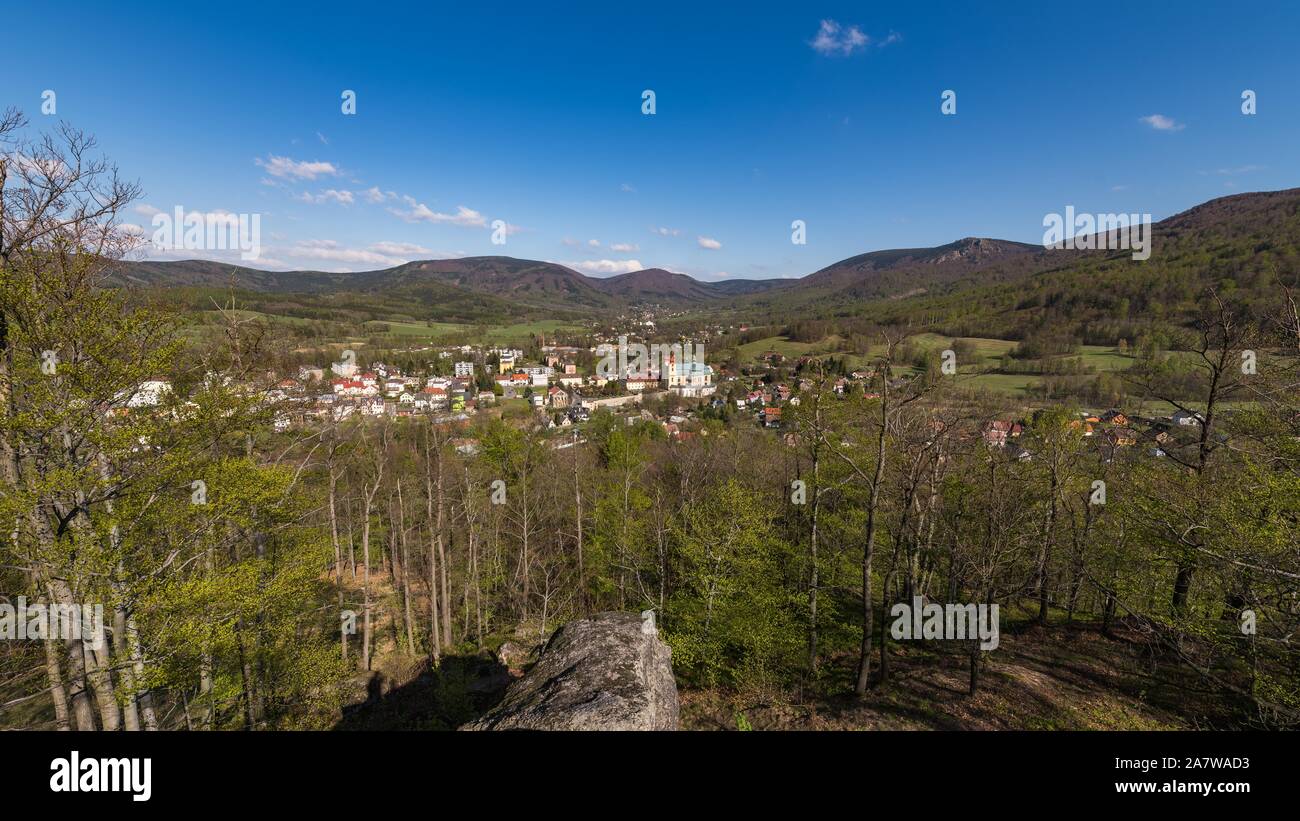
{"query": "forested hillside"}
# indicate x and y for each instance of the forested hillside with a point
(233, 556)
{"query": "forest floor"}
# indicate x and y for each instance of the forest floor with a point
(1058, 678)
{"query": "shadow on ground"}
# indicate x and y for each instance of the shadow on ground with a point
(460, 689)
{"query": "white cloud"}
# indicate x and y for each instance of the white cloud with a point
(400, 248)
(374, 195)
(625, 187)
(331, 251)
(1162, 123)
(605, 266)
(329, 195)
(625, 247)
(709, 243)
(287, 168)
(145, 209)
(593, 243)
(419, 212)
(1241, 169)
(833, 40)
(665, 232)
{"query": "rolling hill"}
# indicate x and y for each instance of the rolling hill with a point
(1240, 240)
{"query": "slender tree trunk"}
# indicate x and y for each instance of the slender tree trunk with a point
(136, 653)
(126, 672)
(78, 689)
(868, 551)
(433, 500)
(58, 694)
(365, 579)
(577, 505)
(338, 552)
(406, 576)
(1045, 552)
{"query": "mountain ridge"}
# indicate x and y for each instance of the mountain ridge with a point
(873, 275)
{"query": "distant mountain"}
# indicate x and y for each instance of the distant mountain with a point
(1216, 239)
(739, 287)
(657, 285)
(544, 284)
(538, 283)
(1244, 244)
(527, 282)
(208, 274)
(910, 270)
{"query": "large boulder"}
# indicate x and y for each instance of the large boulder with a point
(609, 671)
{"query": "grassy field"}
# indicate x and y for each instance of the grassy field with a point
(788, 348)
(215, 316)
(421, 329)
(520, 332)
(517, 333)
(975, 370)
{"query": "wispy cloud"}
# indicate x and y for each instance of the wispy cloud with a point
(1232, 172)
(329, 195)
(400, 248)
(605, 266)
(625, 247)
(374, 195)
(708, 242)
(835, 40)
(379, 253)
(627, 188)
(419, 212)
(287, 168)
(665, 232)
(1162, 123)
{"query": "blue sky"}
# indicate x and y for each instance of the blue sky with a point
(763, 116)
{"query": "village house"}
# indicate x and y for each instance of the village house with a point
(1114, 417)
(1122, 436)
(150, 393)
(997, 431)
(557, 397)
(436, 397)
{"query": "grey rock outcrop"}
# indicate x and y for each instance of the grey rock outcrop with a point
(609, 671)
